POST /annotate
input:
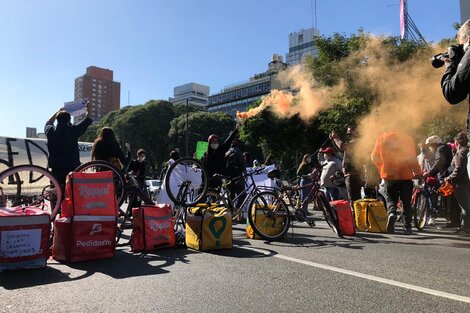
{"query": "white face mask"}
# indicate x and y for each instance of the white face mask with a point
(214, 146)
(328, 157)
(141, 159)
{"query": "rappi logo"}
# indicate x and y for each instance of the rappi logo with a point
(96, 228)
(93, 192)
(155, 226)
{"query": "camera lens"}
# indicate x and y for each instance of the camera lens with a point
(437, 62)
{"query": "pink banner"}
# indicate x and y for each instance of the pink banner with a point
(402, 18)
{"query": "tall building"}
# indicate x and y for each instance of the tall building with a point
(238, 97)
(464, 10)
(98, 87)
(194, 93)
(301, 45)
(31, 132)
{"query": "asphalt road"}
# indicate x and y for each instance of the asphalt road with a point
(310, 271)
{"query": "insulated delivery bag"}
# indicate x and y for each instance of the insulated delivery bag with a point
(370, 215)
(208, 227)
(266, 226)
(86, 228)
(345, 218)
(153, 228)
(24, 238)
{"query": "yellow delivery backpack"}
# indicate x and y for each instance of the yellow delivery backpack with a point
(370, 215)
(271, 227)
(208, 227)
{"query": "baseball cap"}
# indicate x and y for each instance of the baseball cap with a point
(328, 150)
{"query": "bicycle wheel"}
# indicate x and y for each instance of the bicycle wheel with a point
(30, 185)
(420, 210)
(328, 212)
(268, 215)
(99, 166)
(186, 182)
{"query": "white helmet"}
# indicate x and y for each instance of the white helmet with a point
(433, 139)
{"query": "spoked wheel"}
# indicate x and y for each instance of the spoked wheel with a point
(30, 185)
(268, 215)
(329, 213)
(420, 210)
(100, 166)
(186, 182)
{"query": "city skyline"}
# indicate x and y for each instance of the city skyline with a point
(154, 46)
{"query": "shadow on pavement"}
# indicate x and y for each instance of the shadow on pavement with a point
(123, 265)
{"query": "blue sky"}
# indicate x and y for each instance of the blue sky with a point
(153, 46)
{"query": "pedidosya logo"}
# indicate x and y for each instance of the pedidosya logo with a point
(94, 243)
(93, 192)
(96, 228)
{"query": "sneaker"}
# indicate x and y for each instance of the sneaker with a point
(431, 221)
(408, 230)
(391, 223)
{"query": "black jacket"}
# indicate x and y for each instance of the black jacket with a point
(459, 176)
(455, 83)
(214, 160)
(102, 151)
(62, 143)
(442, 162)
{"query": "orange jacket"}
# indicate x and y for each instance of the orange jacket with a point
(394, 155)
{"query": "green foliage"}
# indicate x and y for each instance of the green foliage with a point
(201, 125)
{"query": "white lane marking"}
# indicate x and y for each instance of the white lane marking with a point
(366, 276)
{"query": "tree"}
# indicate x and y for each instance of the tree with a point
(201, 125)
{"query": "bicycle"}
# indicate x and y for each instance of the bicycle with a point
(239, 205)
(30, 185)
(270, 208)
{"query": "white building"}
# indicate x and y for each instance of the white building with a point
(464, 10)
(196, 94)
(301, 45)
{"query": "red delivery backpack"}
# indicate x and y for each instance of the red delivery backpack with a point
(24, 237)
(153, 228)
(345, 218)
(84, 238)
(89, 194)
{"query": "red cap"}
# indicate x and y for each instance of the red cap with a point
(328, 150)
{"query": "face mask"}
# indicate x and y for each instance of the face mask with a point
(214, 146)
(308, 160)
(141, 159)
(328, 157)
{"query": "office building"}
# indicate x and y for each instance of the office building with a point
(98, 87)
(238, 97)
(301, 45)
(31, 132)
(464, 10)
(196, 94)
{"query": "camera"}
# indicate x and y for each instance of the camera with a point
(455, 53)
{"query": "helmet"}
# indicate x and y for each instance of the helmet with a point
(211, 137)
(433, 139)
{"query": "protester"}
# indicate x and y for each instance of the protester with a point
(333, 164)
(460, 181)
(248, 160)
(352, 174)
(137, 167)
(304, 171)
(394, 155)
(62, 143)
(236, 166)
(107, 148)
(214, 157)
(442, 161)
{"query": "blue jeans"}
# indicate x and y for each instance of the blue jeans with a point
(333, 193)
(305, 192)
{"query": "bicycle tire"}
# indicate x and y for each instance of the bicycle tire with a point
(329, 213)
(38, 188)
(119, 180)
(420, 211)
(269, 207)
(180, 183)
(4, 165)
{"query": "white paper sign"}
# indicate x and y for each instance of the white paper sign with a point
(20, 243)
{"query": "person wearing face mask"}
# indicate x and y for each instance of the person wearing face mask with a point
(137, 166)
(332, 164)
(214, 158)
(304, 171)
(62, 143)
(460, 182)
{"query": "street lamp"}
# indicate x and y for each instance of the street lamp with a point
(187, 107)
